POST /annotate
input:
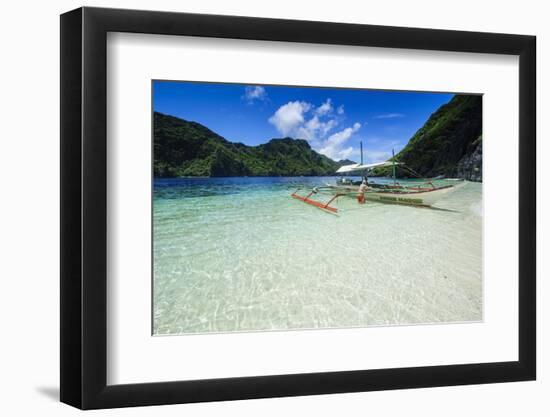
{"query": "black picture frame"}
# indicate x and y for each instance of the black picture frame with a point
(84, 207)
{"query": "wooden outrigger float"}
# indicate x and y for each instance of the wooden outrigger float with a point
(322, 206)
(424, 194)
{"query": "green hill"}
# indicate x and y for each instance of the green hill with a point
(183, 148)
(449, 143)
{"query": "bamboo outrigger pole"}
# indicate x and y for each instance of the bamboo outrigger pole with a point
(323, 206)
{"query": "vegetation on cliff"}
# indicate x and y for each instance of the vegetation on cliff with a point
(451, 135)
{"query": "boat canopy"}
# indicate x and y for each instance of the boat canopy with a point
(345, 169)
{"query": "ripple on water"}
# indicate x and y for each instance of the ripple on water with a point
(252, 258)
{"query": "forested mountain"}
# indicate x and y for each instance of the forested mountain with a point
(449, 143)
(183, 148)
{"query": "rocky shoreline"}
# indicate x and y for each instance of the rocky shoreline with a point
(470, 166)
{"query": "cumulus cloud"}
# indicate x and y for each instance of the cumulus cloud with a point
(303, 120)
(290, 116)
(333, 146)
(346, 153)
(315, 129)
(256, 92)
(389, 116)
(324, 108)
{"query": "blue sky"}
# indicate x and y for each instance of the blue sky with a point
(332, 120)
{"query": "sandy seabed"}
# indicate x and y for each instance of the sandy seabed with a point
(241, 255)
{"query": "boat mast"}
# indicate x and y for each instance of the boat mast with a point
(393, 165)
(365, 172)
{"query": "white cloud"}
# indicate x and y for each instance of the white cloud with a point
(333, 146)
(288, 118)
(292, 119)
(315, 129)
(389, 116)
(324, 108)
(328, 126)
(346, 153)
(309, 129)
(256, 92)
(303, 120)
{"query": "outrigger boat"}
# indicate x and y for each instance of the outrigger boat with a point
(422, 194)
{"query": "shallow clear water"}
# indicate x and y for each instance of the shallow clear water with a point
(239, 254)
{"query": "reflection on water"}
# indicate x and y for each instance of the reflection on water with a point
(238, 254)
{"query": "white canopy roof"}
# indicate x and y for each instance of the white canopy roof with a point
(363, 167)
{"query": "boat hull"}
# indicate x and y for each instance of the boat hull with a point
(423, 198)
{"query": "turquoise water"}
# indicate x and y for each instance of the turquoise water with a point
(239, 254)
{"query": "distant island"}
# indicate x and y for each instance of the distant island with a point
(449, 143)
